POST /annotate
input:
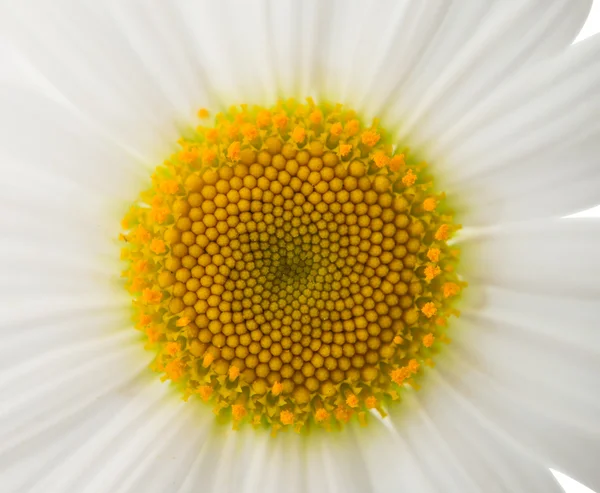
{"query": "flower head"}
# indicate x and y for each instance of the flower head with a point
(298, 266)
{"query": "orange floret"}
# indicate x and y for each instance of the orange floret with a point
(370, 138)
(205, 392)
(336, 129)
(352, 400)
(397, 162)
(409, 178)
(433, 254)
(381, 159)
(443, 232)
(429, 204)
(429, 309)
(431, 271)
(238, 411)
(158, 246)
(286, 417)
(298, 134)
(345, 149)
(450, 289)
(233, 151)
(428, 340)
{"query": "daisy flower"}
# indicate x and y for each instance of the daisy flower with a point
(299, 246)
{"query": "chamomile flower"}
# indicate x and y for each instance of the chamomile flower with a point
(300, 246)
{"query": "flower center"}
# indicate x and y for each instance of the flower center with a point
(290, 266)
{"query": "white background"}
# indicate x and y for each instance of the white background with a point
(592, 26)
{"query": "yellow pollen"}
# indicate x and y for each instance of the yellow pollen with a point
(188, 156)
(158, 246)
(342, 414)
(298, 135)
(336, 129)
(381, 159)
(208, 359)
(286, 417)
(233, 151)
(399, 375)
(431, 271)
(142, 234)
(371, 402)
(443, 233)
(283, 266)
(153, 335)
(370, 138)
(172, 348)
(352, 127)
(233, 373)
(263, 119)
(239, 117)
(429, 204)
(316, 117)
(233, 131)
(345, 149)
(159, 214)
(413, 366)
(209, 155)
(205, 392)
(433, 254)
(277, 388)
(321, 415)
(212, 135)
(169, 187)
(450, 289)
(175, 369)
(409, 178)
(151, 296)
(352, 400)
(238, 411)
(203, 113)
(428, 340)
(137, 284)
(280, 121)
(397, 162)
(250, 132)
(429, 309)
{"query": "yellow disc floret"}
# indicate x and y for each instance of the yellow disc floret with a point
(291, 266)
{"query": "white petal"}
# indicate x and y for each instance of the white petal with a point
(530, 150)
(69, 357)
(140, 71)
(434, 442)
(535, 391)
(42, 136)
(101, 68)
(391, 459)
(556, 257)
(444, 57)
(459, 449)
(526, 350)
